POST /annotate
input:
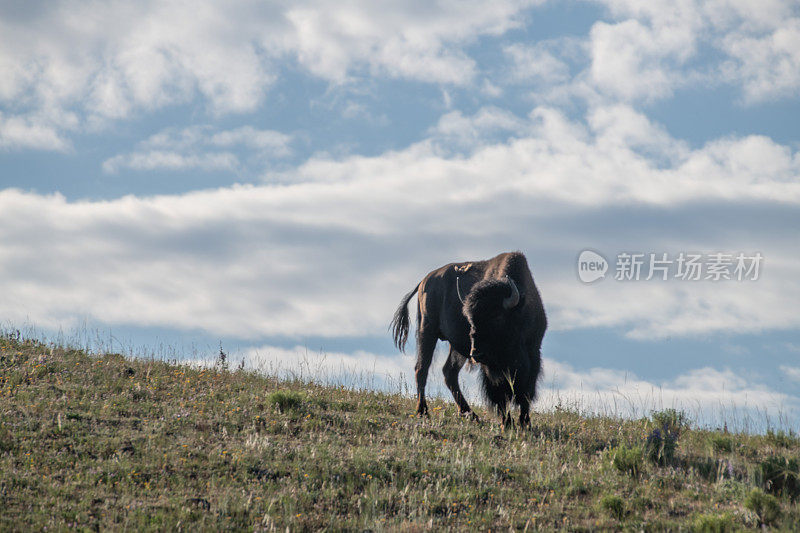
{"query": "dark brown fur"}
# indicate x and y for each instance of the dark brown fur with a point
(506, 343)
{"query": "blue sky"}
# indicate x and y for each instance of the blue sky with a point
(276, 175)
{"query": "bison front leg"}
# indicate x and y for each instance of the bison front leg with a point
(498, 395)
(524, 412)
(505, 417)
(426, 343)
(455, 361)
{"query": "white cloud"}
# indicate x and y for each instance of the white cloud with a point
(112, 59)
(536, 63)
(632, 61)
(30, 132)
(144, 55)
(709, 396)
(268, 141)
(792, 372)
(458, 130)
(416, 40)
(491, 90)
(330, 40)
(159, 159)
(303, 363)
(199, 147)
(791, 347)
(610, 163)
(330, 250)
(109, 61)
(653, 48)
(651, 311)
(620, 128)
(178, 139)
(335, 368)
(768, 65)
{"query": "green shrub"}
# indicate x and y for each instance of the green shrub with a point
(706, 523)
(627, 460)
(781, 476)
(766, 507)
(670, 420)
(660, 446)
(6, 439)
(579, 487)
(642, 503)
(662, 441)
(286, 400)
(782, 439)
(709, 468)
(731, 489)
(721, 443)
(614, 506)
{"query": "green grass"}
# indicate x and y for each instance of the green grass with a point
(104, 442)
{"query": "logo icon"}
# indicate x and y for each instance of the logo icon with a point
(591, 266)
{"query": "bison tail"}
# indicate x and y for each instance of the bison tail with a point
(400, 322)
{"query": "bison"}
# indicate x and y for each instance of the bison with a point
(492, 315)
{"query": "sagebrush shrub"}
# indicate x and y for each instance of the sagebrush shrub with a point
(660, 446)
(286, 400)
(627, 460)
(721, 443)
(614, 506)
(765, 506)
(781, 476)
(670, 420)
(706, 523)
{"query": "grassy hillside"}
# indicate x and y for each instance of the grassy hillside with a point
(105, 442)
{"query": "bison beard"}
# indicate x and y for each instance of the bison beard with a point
(490, 312)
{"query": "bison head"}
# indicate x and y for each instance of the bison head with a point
(491, 309)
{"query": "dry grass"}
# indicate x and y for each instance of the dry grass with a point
(104, 442)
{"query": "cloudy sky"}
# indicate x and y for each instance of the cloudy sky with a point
(274, 176)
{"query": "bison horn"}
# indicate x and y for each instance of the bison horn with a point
(513, 300)
(458, 290)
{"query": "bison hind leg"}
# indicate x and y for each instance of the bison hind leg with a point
(426, 344)
(450, 370)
